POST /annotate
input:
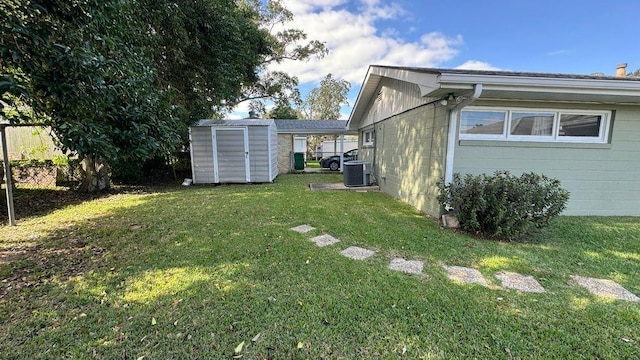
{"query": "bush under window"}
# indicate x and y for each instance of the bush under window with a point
(503, 205)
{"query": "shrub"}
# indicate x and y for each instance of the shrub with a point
(502, 205)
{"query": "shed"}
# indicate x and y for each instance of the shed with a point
(234, 151)
(419, 125)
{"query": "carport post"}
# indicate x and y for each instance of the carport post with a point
(341, 151)
(7, 173)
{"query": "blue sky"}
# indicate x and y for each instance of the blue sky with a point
(561, 36)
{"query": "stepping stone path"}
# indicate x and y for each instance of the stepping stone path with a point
(302, 229)
(465, 275)
(407, 266)
(520, 282)
(510, 280)
(324, 240)
(606, 288)
(357, 253)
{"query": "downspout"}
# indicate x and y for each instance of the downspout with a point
(453, 131)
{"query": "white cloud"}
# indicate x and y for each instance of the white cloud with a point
(355, 43)
(477, 65)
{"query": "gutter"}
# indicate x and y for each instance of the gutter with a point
(453, 130)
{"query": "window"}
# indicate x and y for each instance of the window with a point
(534, 125)
(367, 138)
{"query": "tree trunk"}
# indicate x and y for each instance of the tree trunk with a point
(96, 175)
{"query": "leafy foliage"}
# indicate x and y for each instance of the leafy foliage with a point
(325, 100)
(82, 69)
(283, 110)
(503, 205)
(205, 51)
(285, 44)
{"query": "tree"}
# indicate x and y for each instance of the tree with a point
(285, 44)
(79, 67)
(118, 80)
(324, 101)
(634, 74)
(205, 51)
(282, 110)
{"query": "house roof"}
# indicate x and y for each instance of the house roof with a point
(503, 85)
(311, 126)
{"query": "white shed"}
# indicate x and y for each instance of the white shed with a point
(234, 151)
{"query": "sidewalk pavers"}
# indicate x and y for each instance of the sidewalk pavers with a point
(302, 229)
(357, 253)
(509, 280)
(324, 240)
(526, 283)
(465, 275)
(606, 288)
(407, 266)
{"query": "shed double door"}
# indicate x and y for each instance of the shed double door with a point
(230, 155)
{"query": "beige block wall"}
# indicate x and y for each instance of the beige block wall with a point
(409, 154)
(285, 147)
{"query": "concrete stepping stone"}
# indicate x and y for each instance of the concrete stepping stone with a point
(407, 266)
(465, 275)
(520, 282)
(302, 229)
(357, 253)
(606, 288)
(324, 240)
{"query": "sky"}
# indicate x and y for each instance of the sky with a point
(561, 36)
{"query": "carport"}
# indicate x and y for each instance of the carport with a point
(289, 130)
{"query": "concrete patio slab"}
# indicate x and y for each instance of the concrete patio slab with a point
(302, 229)
(357, 253)
(341, 186)
(324, 240)
(520, 282)
(606, 288)
(465, 275)
(407, 266)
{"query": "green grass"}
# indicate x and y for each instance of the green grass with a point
(313, 164)
(194, 272)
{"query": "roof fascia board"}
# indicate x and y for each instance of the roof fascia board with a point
(520, 83)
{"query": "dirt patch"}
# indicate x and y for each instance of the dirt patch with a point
(31, 266)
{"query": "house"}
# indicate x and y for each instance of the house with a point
(420, 125)
(233, 151)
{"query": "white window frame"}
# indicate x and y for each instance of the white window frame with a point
(367, 137)
(602, 138)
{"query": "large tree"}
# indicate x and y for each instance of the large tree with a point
(325, 101)
(283, 110)
(285, 44)
(205, 51)
(79, 66)
(117, 80)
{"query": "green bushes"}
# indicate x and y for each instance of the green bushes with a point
(502, 205)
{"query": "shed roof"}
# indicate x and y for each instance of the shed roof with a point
(503, 85)
(229, 122)
(311, 126)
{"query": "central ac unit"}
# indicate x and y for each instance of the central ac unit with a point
(357, 173)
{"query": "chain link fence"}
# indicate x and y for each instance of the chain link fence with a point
(42, 174)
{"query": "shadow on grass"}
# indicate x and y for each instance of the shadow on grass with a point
(194, 272)
(31, 202)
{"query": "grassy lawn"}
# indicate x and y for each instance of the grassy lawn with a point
(196, 272)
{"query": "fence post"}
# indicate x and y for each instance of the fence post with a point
(7, 173)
